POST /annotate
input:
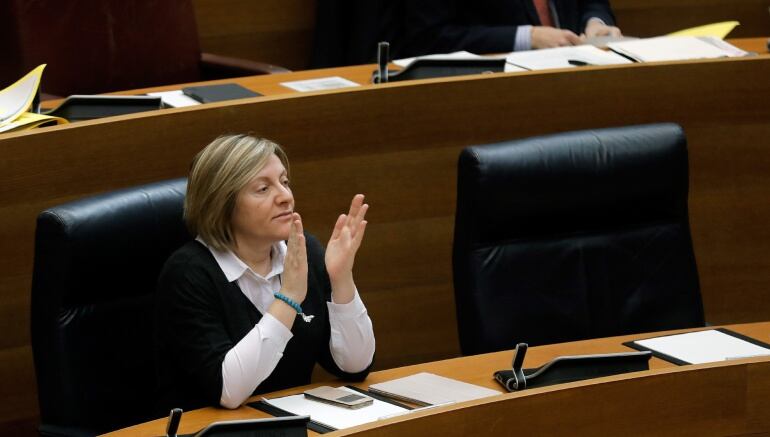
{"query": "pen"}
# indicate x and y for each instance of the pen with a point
(578, 62)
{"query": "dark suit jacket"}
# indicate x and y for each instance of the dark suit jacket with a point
(485, 26)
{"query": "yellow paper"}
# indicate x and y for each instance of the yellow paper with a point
(719, 30)
(29, 120)
(17, 98)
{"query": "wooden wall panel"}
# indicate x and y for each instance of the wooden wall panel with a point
(274, 31)
(645, 18)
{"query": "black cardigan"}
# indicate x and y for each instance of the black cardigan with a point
(200, 316)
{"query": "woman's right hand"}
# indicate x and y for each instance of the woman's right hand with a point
(294, 277)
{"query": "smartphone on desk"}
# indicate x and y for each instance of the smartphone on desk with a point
(338, 397)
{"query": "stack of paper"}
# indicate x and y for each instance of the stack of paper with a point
(676, 48)
(461, 55)
(333, 416)
(703, 346)
(564, 57)
(323, 83)
(175, 99)
(718, 30)
(16, 104)
(429, 389)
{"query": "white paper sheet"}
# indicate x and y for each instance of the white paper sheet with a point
(324, 83)
(175, 99)
(17, 98)
(673, 48)
(440, 56)
(560, 57)
(430, 389)
(459, 55)
(334, 416)
(703, 346)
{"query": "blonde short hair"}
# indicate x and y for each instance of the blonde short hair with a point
(218, 173)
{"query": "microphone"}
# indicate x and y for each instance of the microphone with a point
(383, 49)
(517, 364)
(173, 422)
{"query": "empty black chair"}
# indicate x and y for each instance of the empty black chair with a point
(96, 266)
(574, 236)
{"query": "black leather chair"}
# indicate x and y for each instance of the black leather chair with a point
(110, 45)
(95, 273)
(573, 236)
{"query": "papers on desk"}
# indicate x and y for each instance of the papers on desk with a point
(719, 30)
(600, 42)
(564, 57)
(175, 99)
(676, 48)
(703, 346)
(429, 389)
(324, 83)
(17, 111)
(461, 55)
(332, 416)
(458, 56)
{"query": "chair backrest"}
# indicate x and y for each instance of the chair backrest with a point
(573, 236)
(94, 47)
(347, 31)
(96, 266)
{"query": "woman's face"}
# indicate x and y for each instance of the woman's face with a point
(264, 207)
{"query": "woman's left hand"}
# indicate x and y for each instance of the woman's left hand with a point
(345, 241)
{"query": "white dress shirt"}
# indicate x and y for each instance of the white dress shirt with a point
(253, 358)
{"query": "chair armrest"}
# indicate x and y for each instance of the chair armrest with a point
(219, 67)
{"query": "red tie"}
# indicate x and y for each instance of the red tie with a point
(544, 12)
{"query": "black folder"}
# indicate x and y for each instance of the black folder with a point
(218, 93)
(85, 107)
(430, 68)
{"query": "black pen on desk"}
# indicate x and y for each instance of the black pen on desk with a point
(578, 62)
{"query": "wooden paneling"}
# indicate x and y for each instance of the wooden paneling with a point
(398, 143)
(646, 18)
(275, 31)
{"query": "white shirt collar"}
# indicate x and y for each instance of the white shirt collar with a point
(234, 268)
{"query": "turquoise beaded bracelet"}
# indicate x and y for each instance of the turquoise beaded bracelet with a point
(294, 305)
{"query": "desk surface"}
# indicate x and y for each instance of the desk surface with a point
(270, 85)
(688, 394)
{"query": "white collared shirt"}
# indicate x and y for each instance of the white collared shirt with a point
(253, 358)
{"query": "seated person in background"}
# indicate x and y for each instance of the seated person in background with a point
(500, 26)
(233, 305)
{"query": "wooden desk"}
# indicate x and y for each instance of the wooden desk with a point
(399, 144)
(727, 398)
